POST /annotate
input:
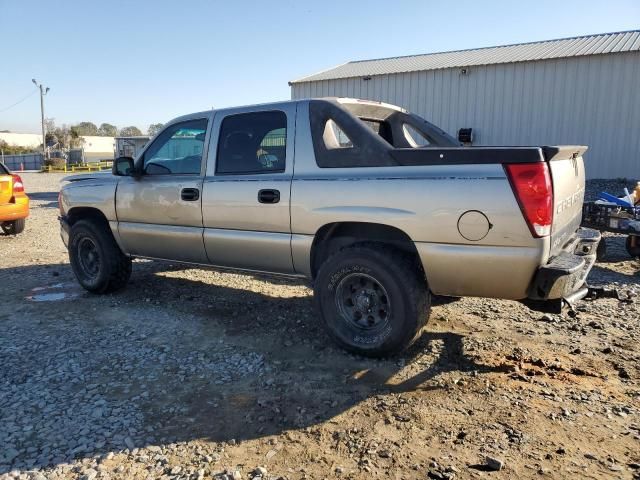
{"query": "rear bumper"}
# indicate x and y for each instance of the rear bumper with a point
(565, 275)
(15, 210)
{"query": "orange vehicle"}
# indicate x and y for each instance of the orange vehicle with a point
(14, 203)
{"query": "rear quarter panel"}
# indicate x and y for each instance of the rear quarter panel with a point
(426, 203)
(6, 190)
(13, 206)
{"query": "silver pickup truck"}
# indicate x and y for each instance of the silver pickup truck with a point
(375, 206)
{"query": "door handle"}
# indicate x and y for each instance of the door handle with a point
(190, 194)
(269, 196)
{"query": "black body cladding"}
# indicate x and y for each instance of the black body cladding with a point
(374, 150)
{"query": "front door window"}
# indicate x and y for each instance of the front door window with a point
(177, 150)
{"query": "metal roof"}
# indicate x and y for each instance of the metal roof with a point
(521, 52)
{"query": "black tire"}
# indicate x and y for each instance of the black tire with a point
(13, 228)
(362, 321)
(97, 261)
(601, 251)
(633, 250)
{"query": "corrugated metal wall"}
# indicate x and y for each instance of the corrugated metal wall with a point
(592, 100)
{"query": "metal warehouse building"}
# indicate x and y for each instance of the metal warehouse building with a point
(581, 90)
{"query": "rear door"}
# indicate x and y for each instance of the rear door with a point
(6, 185)
(159, 213)
(568, 177)
(246, 192)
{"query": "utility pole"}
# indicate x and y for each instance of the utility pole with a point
(43, 92)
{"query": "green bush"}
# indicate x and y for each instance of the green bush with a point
(55, 162)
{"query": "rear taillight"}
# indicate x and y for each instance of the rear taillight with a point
(531, 183)
(18, 186)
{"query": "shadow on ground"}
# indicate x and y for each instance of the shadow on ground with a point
(172, 359)
(603, 272)
(51, 197)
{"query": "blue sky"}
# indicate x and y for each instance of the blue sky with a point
(141, 62)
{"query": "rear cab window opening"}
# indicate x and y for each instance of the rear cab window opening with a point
(334, 136)
(415, 138)
(341, 133)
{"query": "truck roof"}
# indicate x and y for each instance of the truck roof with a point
(340, 100)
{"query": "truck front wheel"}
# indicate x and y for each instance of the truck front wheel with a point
(97, 261)
(373, 299)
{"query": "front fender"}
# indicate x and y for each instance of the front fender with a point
(90, 194)
(90, 198)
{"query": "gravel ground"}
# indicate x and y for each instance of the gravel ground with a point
(193, 374)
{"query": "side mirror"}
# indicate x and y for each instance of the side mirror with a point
(123, 167)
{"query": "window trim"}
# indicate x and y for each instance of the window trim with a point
(217, 173)
(139, 162)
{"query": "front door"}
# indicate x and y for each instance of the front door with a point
(160, 212)
(247, 189)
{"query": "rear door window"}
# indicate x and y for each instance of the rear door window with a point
(252, 143)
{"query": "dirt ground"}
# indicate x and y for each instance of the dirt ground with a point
(197, 374)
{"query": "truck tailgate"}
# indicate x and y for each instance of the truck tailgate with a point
(567, 174)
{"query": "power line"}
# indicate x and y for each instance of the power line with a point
(18, 102)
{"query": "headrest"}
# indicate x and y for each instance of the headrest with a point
(238, 141)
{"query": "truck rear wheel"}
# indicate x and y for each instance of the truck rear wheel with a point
(97, 261)
(373, 299)
(13, 228)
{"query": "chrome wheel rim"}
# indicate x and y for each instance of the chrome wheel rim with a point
(363, 302)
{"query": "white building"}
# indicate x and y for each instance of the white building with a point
(130, 146)
(581, 90)
(94, 147)
(33, 140)
(98, 148)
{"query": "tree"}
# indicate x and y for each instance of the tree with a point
(130, 132)
(7, 149)
(107, 130)
(86, 128)
(50, 126)
(154, 128)
(61, 137)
